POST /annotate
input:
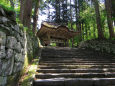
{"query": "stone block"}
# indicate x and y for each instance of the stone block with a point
(23, 51)
(3, 81)
(2, 12)
(16, 27)
(2, 52)
(11, 42)
(17, 35)
(4, 20)
(5, 28)
(0, 67)
(9, 53)
(18, 47)
(2, 38)
(7, 66)
(17, 67)
(22, 41)
(19, 57)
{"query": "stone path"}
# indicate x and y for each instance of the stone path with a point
(74, 67)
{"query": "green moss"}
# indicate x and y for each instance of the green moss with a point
(12, 78)
(7, 8)
(28, 77)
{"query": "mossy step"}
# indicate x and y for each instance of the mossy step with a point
(75, 66)
(75, 75)
(96, 70)
(75, 82)
(79, 59)
(77, 63)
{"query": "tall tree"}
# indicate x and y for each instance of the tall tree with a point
(64, 12)
(71, 14)
(113, 9)
(22, 2)
(108, 7)
(57, 8)
(27, 13)
(98, 19)
(35, 18)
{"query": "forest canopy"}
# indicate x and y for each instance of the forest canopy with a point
(94, 18)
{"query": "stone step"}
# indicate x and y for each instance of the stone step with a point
(77, 63)
(79, 59)
(75, 82)
(96, 70)
(75, 75)
(60, 56)
(74, 66)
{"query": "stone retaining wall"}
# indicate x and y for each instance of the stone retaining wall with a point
(15, 44)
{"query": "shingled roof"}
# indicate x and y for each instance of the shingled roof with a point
(56, 31)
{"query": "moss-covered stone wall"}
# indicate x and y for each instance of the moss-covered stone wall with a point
(16, 48)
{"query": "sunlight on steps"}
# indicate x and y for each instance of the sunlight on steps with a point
(74, 67)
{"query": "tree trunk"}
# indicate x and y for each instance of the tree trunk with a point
(27, 13)
(21, 10)
(113, 9)
(35, 18)
(109, 18)
(86, 31)
(71, 22)
(98, 19)
(94, 35)
(71, 14)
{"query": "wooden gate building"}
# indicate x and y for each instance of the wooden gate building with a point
(52, 33)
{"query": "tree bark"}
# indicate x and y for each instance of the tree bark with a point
(27, 13)
(98, 19)
(71, 15)
(21, 10)
(113, 10)
(35, 18)
(109, 17)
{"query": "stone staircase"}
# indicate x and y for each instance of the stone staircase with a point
(74, 67)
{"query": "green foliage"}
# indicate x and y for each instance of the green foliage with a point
(7, 7)
(5, 3)
(53, 44)
(25, 28)
(27, 76)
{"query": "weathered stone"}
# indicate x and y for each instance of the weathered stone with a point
(0, 67)
(2, 52)
(17, 67)
(4, 28)
(17, 36)
(21, 33)
(11, 42)
(22, 41)
(23, 51)
(9, 53)
(2, 12)
(11, 26)
(2, 38)
(18, 47)
(7, 66)
(4, 20)
(16, 27)
(19, 57)
(3, 81)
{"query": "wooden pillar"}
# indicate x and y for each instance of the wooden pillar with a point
(66, 43)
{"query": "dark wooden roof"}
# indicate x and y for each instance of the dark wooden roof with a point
(56, 31)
